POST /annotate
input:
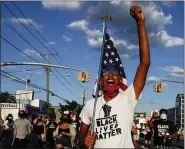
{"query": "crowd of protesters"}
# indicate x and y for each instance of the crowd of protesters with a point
(40, 133)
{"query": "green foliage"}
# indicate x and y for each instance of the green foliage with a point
(70, 106)
(6, 97)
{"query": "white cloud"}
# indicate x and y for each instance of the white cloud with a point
(125, 25)
(32, 53)
(168, 3)
(78, 25)
(153, 79)
(59, 5)
(27, 22)
(94, 39)
(65, 38)
(163, 39)
(174, 71)
(52, 42)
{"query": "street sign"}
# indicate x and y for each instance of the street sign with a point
(24, 95)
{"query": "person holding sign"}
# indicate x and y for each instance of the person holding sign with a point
(116, 107)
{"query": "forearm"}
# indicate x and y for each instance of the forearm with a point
(175, 134)
(143, 44)
(14, 136)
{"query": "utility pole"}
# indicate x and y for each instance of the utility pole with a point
(84, 97)
(47, 69)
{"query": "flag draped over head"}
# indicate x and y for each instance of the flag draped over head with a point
(111, 56)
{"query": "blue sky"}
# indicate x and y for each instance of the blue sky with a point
(74, 30)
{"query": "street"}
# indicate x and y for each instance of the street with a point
(175, 145)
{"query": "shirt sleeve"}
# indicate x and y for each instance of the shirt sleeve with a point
(29, 124)
(85, 114)
(14, 125)
(130, 93)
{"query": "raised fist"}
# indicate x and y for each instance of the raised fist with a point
(137, 14)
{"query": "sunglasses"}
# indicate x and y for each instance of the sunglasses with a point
(106, 72)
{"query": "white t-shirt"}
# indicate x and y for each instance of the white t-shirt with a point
(113, 131)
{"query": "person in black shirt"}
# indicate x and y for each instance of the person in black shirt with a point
(164, 130)
(51, 125)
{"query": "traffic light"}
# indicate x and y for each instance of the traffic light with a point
(83, 76)
(156, 87)
(87, 76)
(28, 81)
(161, 87)
(79, 76)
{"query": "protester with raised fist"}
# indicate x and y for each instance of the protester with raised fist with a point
(116, 107)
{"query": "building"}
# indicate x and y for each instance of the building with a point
(179, 110)
(141, 117)
(36, 106)
(171, 114)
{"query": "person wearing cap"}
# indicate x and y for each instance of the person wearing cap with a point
(115, 108)
(164, 130)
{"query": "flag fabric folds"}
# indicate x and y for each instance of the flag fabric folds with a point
(111, 56)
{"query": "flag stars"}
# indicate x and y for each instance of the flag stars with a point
(106, 54)
(117, 59)
(105, 62)
(108, 47)
(120, 65)
(110, 61)
(112, 53)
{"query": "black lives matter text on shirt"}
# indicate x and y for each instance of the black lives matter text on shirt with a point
(161, 126)
(107, 127)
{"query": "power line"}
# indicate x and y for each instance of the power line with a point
(35, 38)
(30, 84)
(26, 70)
(18, 49)
(13, 29)
(45, 41)
(32, 59)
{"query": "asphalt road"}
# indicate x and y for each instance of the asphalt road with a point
(175, 144)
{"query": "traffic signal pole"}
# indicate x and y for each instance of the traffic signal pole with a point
(159, 87)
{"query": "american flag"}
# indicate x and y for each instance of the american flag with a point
(110, 55)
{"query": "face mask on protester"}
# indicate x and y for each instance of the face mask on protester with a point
(64, 120)
(21, 115)
(163, 116)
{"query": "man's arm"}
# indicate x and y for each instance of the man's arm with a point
(14, 136)
(144, 52)
(173, 135)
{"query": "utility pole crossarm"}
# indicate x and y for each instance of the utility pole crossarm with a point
(38, 64)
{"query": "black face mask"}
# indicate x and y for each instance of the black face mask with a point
(64, 120)
(10, 120)
(21, 115)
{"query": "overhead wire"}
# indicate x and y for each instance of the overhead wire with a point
(31, 45)
(46, 42)
(36, 61)
(14, 78)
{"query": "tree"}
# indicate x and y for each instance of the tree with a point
(70, 106)
(6, 97)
